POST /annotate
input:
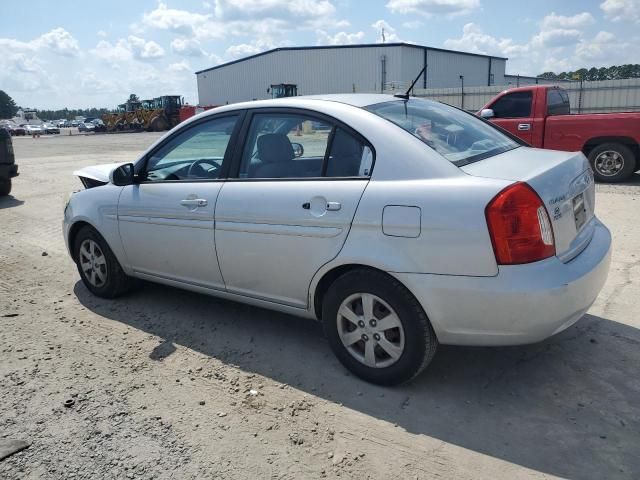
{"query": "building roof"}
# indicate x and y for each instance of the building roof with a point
(363, 45)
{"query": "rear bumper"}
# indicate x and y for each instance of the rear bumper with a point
(522, 304)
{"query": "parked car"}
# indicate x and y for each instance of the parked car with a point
(12, 128)
(74, 123)
(50, 128)
(8, 167)
(33, 130)
(541, 116)
(86, 127)
(400, 224)
(99, 125)
(63, 124)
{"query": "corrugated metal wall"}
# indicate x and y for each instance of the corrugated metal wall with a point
(316, 71)
(443, 67)
(586, 97)
(341, 70)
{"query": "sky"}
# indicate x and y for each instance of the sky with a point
(94, 54)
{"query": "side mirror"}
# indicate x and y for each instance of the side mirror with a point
(123, 175)
(487, 113)
(298, 150)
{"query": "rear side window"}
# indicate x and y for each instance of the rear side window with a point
(513, 105)
(558, 102)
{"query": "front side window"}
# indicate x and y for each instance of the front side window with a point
(459, 137)
(283, 145)
(193, 154)
(513, 105)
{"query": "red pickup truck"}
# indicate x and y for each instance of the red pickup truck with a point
(540, 115)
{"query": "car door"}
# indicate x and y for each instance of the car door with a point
(166, 220)
(298, 181)
(513, 112)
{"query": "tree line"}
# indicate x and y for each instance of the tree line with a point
(615, 72)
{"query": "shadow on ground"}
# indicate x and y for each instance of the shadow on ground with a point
(10, 201)
(569, 406)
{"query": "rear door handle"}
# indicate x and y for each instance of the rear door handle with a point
(194, 202)
(523, 127)
(334, 206)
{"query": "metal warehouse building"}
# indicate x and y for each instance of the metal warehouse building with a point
(345, 68)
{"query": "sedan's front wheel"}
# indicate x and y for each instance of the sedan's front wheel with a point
(98, 266)
(377, 328)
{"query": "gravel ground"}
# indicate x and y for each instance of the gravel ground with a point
(165, 383)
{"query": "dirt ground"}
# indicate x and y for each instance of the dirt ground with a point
(165, 383)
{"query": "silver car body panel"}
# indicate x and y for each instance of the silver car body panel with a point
(273, 253)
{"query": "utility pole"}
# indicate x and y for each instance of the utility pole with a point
(383, 36)
(462, 92)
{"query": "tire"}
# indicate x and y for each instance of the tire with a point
(114, 282)
(612, 162)
(5, 187)
(415, 342)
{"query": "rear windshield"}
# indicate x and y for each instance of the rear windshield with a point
(458, 136)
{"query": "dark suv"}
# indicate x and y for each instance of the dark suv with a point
(8, 167)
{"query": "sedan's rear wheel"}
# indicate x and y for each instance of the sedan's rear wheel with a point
(377, 328)
(98, 266)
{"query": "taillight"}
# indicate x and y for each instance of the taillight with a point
(519, 226)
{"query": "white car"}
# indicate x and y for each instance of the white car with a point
(399, 223)
(34, 129)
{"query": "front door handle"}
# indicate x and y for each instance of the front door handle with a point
(524, 127)
(194, 202)
(334, 206)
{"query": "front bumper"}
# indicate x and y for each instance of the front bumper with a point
(522, 304)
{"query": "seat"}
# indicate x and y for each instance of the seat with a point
(275, 153)
(346, 156)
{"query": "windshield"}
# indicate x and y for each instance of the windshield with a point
(459, 137)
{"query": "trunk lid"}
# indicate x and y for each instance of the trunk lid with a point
(564, 182)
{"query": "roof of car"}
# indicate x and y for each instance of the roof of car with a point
(355, 99)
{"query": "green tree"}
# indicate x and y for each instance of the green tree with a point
(133, 98)
(8, 107)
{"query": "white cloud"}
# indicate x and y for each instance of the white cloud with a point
(604, 47)
(114, 54)
(390, 34)
(102, 33)
(125, 50)
(428, 8)
(618, 10)
(340, 38)
(58, 41)
(413, 24)
(245, 49)
(580, 20)
(233, 9)
(145, 50)
(182, 66)
(474, 40)
(189, 47)
(180, 21)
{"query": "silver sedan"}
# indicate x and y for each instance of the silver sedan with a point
(399, 223)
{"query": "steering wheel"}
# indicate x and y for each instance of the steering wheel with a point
(205, 173)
